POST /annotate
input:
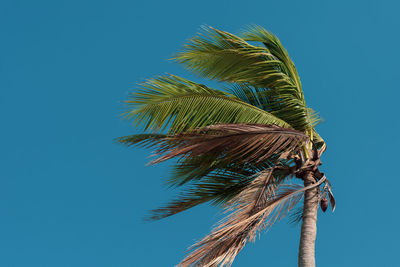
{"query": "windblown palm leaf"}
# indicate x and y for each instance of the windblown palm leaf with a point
(194, 168)
(223, 144)
(216, 188)
(177, 103)
(223, 56)
(256, 208)
(236, 147)
(274, 46)
(220, 55)
(252, 143)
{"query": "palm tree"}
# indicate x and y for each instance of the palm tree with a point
(239, 147)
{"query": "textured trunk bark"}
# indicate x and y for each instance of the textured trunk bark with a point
(309, 224)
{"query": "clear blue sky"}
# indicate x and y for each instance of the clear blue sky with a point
(70, 196)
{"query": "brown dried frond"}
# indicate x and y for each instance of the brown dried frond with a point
(255, 209)
(240, 142)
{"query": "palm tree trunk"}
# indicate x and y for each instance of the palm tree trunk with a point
(309, 224)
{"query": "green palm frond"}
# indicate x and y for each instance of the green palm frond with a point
(219, 55)
(274, 46)
(253, 95)
(216, 188)
(268, 70)
(177, 103)
(286, 103)
(194, 169)
(280, 101)
(191, 169)
(277, 104)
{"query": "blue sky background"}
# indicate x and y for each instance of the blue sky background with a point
(70, 196)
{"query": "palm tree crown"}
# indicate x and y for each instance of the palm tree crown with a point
(237, 147)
